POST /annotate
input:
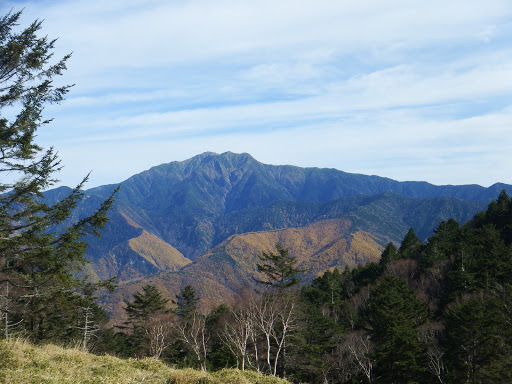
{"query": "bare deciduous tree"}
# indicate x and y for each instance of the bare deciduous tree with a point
(275, 317)
(193, 333)
(359, 345)
(89, 328)
(343, 362)
(405, 269)
(159, 330)
(429, 334)
(238, 334)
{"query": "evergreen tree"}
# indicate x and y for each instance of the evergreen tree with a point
(193, 333)
(312, 345)
(499, 214)
(389, 254)
(326, 291)
(476, 345)
(365, 274)
(465, 281)
(410, 244)
(220, 355)
(393, 315)
(41, 248)
(444, 243)
(278, 268)
(145, 305)
(493, 264)
(187, 301)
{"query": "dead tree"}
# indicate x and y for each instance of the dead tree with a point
(89, 328)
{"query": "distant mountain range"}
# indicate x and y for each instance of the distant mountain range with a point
(203, 221)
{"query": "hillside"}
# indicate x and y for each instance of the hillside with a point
(194, 205)
(185, 203)
(348, 239)
(220, 211)
(23, 363)
(200, 209)
(227, 269)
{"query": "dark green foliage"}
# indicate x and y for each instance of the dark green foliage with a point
(477, 347)
(494, 263)
(310, 348)
(41, 245)
(463, 275)
(220, 356)
(409, 245)
(483, 258)
(443, 244)
(389, 254)
(394, 314)
(279, 269)
(187, 301)
(365, 274)
(326, 291)
(145, 304)
(499, 214)
(108, 341)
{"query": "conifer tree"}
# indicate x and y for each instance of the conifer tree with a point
(145, 305)
(40, 246)
(187, 301)
(394, 315)
(410, 243)
(443, 244)
(278, 268)
(192, 330)
(389, 254)
(477, 349)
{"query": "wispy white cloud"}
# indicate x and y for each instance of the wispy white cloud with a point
(410, 90)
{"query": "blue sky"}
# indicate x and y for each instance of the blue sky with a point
(411, 90)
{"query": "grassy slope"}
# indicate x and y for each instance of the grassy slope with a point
(23, 363)
(157, 252)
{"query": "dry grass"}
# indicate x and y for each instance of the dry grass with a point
(24, 363)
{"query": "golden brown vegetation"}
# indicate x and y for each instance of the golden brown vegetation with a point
(219, 275)
(157, 252)
(24, 363)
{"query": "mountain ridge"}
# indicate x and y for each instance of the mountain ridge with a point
(199, 192)
(167, 219)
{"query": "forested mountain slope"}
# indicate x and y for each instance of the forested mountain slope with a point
(194, 205)
(434, 312)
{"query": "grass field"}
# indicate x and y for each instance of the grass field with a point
(24, 363)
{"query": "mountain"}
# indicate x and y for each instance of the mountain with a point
(179, 222)
(194, 204)
(332, 239)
